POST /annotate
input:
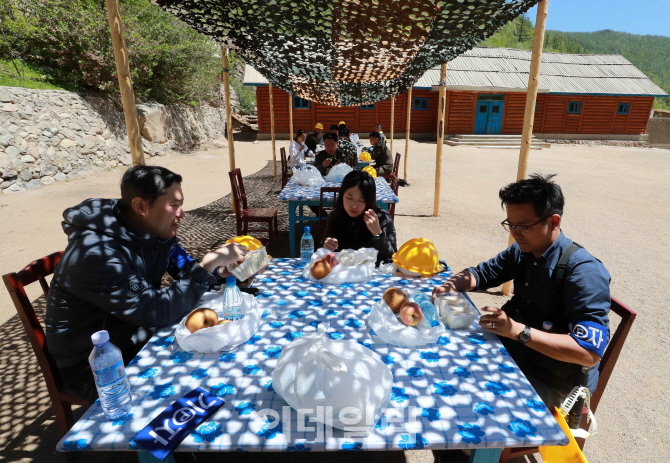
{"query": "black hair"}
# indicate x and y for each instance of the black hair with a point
(380, 127)
(334, 127)
(329, 136)
(298, 133)
(344, 131)
(375, 135)
(362, 180)
(545, 196)
(146, 182)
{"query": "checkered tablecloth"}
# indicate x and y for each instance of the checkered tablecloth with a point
(462, 392)
(294, 192)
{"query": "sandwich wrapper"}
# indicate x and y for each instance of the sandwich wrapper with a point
(341, 273)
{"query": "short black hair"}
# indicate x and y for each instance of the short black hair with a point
(344, 131)
(146, 182)
(540, 191)
(379, 125)
(375, 135)
(334, 127)
(329, 136)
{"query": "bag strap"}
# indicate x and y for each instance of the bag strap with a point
(561, 267)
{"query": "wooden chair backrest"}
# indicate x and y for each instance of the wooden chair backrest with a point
(284, 161)
(352, 161)
(396, 164)
(237, 190)
(322, 227)
(16, 283)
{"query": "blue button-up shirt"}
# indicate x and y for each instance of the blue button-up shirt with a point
(586, 292)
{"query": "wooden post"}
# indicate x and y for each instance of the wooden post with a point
(290, 117)
(125, 83)
(409, 114)
(531, 97)
(440, 139)
(229, 108)
(392, 122)
(272, 132)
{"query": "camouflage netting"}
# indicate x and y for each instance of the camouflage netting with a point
(346, 52)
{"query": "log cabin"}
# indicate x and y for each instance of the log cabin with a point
(579, 97)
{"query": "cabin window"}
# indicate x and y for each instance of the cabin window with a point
(300, 103)
(575, 107)
(420, 104)
(623, 108)
(368, 106)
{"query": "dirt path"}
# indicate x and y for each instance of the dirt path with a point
(617, 206)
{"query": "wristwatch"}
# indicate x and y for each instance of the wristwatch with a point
(524, 336)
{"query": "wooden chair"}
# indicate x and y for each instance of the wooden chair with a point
(394, 172)
(323, 221)
(610, 357)
(352, 161)
(395, 183)
(246, 215)
(15, 282)
(286, 172)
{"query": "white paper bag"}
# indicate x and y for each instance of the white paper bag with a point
(392, 331)
(220, 337)
(315, 372)
(342, 274)
(337, 173)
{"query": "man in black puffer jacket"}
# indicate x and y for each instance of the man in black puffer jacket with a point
(110, 275)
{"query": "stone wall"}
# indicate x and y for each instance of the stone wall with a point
(48, 136)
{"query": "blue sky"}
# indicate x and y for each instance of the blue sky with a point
(647, 17)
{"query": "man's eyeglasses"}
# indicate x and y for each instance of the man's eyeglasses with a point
(523, 229)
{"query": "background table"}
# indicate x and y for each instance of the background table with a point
(462, 392)
(299, 196)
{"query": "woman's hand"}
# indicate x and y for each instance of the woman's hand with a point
(302, 147)
(225, 255)
(372, 222)
(330, 244)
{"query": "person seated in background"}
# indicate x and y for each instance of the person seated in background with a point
(334, 129)
(314, 137)
(552, 329)
(329, 156)
(348, 151)
(298, 149)
(381, 155)
(356, 222)
(378, 128)
(340, 126)
(110, 274)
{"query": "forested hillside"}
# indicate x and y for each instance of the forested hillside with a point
(649, 53)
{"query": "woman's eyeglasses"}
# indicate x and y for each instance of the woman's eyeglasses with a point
(523, 229)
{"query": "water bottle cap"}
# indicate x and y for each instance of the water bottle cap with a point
(100, 338)
(307, 229)
(231, 280)
(547, 326)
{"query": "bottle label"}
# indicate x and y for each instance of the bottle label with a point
(110, 374)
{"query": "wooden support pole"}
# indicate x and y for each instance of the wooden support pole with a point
(440, 139)
(392, 122)
(125, 83)
(290, 118)
(229, 108)
(409, 114)
(531, 98)
(272, 132)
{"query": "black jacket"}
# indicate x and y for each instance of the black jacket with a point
(354, 234)
(110, 278)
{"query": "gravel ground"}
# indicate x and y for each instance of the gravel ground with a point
(617, 206)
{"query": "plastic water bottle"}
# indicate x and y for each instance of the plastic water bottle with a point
(232, 300)
(110, 376)
(306, 246)
(427, 308)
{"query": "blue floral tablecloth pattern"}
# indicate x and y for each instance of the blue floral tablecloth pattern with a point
(294, 192)
(462, 392)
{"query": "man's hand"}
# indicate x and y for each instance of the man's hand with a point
(330, 244)
(372, 222)
(225, 255)
(447, 287)
(326, 162)
(494, 320)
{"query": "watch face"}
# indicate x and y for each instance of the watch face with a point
(524, 336)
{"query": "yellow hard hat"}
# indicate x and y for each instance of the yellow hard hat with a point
(249, 241)
(418, 255)
(341, 123)
(319, 126)
(366, 157)
(370, 170)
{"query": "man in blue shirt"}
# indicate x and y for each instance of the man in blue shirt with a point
(551, 330)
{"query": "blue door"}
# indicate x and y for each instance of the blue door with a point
(495, 117)
(481, 121)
